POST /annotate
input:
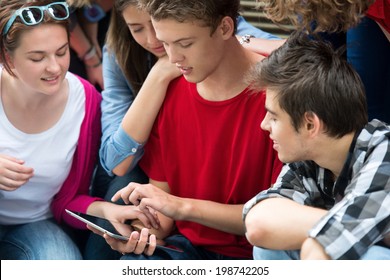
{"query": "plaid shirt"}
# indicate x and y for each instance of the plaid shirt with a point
(358, 203)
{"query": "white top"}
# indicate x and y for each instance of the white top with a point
(49, 153)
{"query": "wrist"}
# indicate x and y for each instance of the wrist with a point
(91, 59)
(93, 65)
(91, 52)
(246, 39)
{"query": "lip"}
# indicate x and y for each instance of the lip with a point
(184, 70)
(51, 80)
(158, 50)
(275, 144)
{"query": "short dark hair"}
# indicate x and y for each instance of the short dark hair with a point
(210, 12)
(308, 75)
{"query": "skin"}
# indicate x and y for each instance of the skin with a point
(140, 117)
(188, 47)
(291, 145)
(208, 61)
(138, 123)
(35, 100)
(142, 30)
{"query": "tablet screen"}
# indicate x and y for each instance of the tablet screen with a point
(114, 229)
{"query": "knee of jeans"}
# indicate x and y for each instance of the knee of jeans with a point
(266, 254)
(13, 251)
(377, 253)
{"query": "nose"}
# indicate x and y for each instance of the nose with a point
(174, 55)
(53, 65)
(265, 123)
(152, 38)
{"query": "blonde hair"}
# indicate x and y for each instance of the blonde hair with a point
(326, 15)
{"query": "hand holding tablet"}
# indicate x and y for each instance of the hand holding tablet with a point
(120, 231)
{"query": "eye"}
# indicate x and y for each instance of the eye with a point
(36, 59)
(185, 45)
(62, 53)
(136, 28)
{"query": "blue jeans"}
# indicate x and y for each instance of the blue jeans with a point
(106, 186)
(42, 240)
(190, 252)
(374, 253)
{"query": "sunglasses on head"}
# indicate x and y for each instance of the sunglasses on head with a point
(33, 15)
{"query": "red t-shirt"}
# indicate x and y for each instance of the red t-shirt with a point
(380, 12)
(211, 151)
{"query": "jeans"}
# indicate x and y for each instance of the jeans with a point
(42, 240)
(374, 253)
(105, 186)
(189, 252)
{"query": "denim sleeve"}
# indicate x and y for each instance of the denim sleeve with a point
(117, 96)
(117, 148)
(244, 27)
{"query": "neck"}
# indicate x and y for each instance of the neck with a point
(228, 80)
(335, 154)
(18, 94)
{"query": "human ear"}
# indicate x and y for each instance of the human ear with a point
(312, 123)
(227, 27)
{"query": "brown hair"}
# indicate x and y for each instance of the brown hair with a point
(309, 76)
(132, 58)
(10, 42)
(327, 15)
(209, 12)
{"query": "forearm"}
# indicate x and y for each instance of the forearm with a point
(280, 224)
(263, 46)
(82, 45)
(312, 250)
(223, 217)
(139, 119)
(79, 42)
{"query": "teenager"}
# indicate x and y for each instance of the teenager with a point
(50, 134)
(331, 200)
(204, 156)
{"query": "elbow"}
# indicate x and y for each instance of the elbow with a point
(257, 232)
(118, 171)
(124, 167)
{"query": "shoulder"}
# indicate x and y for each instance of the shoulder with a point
(373, 134)
(86, 86)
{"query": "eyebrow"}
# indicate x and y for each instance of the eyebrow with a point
(182, 39)
(60, 48)
(270, 111)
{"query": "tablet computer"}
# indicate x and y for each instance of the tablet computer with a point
(114, 229)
